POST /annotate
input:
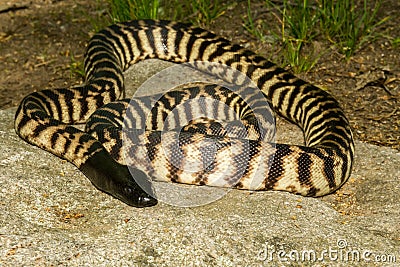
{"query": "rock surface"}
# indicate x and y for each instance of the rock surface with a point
(50, 214)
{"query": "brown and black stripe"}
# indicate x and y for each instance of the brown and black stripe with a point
(322, 166)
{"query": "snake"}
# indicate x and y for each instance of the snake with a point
(243, 160)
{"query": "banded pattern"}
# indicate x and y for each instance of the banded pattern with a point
(318, 168)
(211, 129)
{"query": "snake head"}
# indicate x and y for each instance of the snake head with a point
(116, 180)
(134, 191)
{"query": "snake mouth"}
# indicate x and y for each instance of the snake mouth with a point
(136, 191)
(135, 197)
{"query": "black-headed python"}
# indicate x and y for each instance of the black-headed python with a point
(320, 167)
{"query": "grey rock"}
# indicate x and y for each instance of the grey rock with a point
(50, 214)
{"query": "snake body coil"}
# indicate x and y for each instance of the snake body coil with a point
(318, 168)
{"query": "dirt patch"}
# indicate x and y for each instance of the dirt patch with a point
(40, 39)
(37, 45)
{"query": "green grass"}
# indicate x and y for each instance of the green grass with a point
(396, 42)
(206, 11)
(256, 28)
(295, 56)
(298, 20)
(123, 10)
(298, 31)
(76, 68)
(200, 12)
(294, 25)
(347, 27)
(301, 22)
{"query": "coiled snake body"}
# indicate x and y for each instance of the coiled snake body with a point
(318, 168)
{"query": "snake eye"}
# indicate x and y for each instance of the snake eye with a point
(128, 190)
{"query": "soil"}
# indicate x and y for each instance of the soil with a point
(43, 41)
